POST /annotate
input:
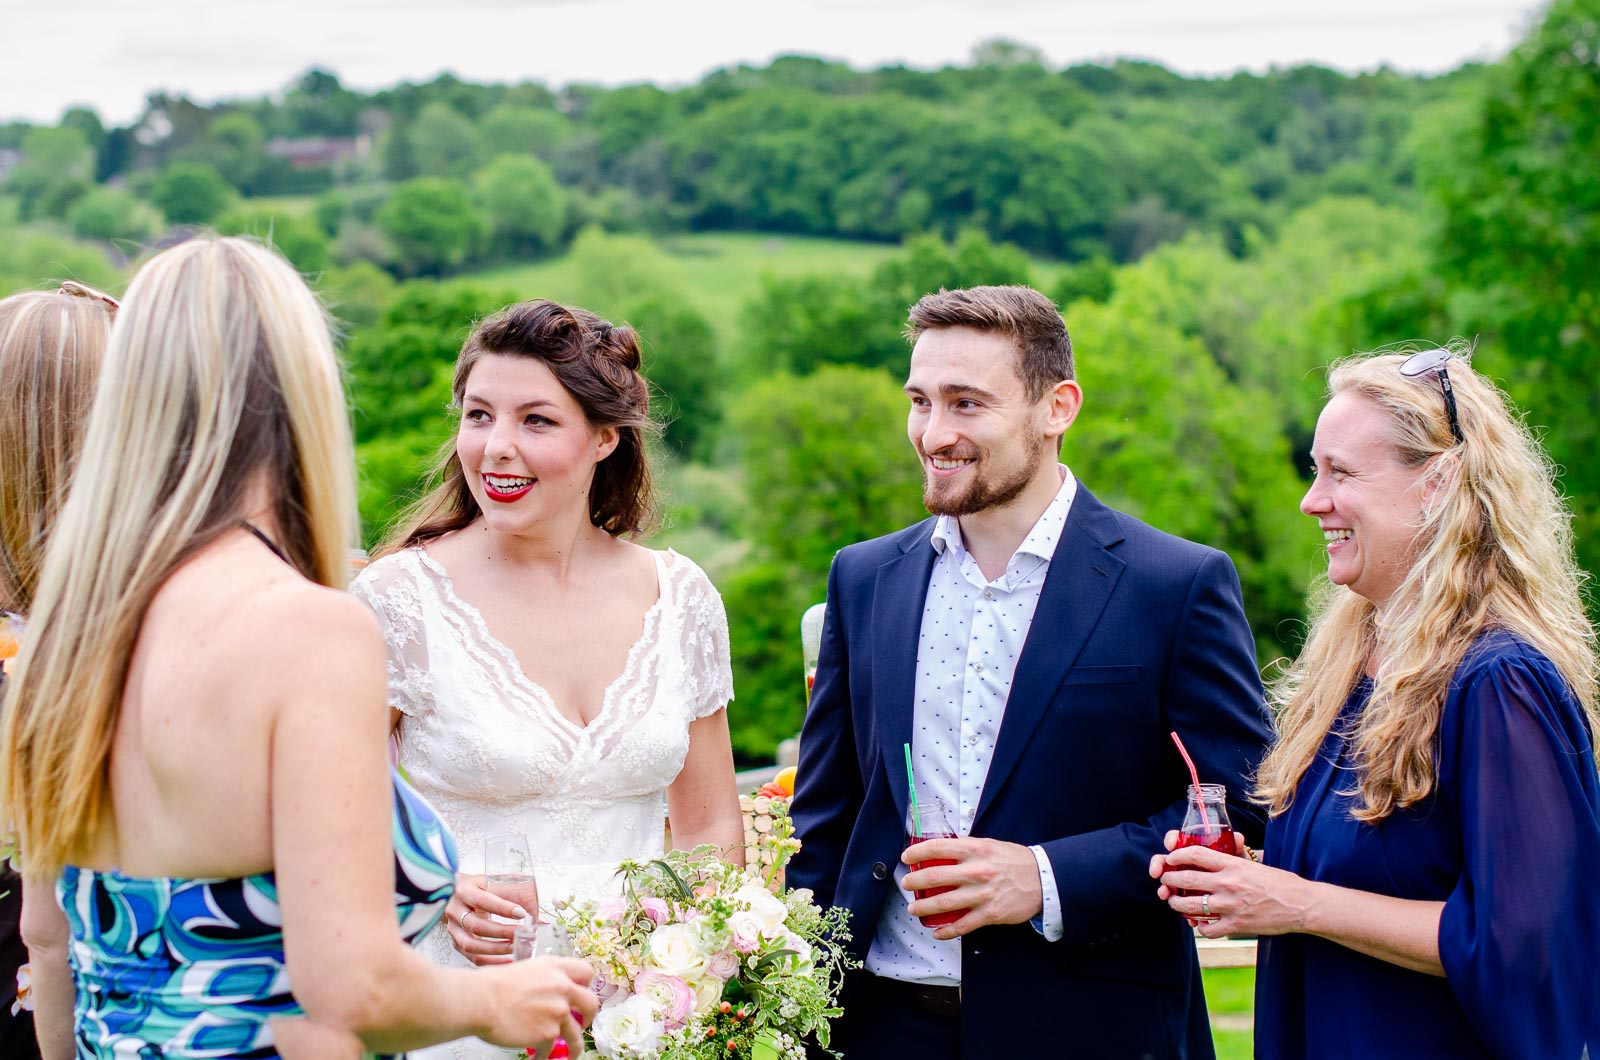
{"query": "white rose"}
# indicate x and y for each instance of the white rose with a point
(629, 1031)
(677, 949)
(763, 903)
(708, 995)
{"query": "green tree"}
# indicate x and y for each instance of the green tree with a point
(1167, 437)
(1521, 230)
(515, 129)
(628, 278)
(797, 324)
(191, 193)
(434, 225)
(828, 457)
(525, 208)
(295, 237)
(32, 256)
(443, 141)
(400, 374)
(52, 159)
(113, 214)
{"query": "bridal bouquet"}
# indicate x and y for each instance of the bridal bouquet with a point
(700, 959)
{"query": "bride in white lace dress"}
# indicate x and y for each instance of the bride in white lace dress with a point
(549, 677)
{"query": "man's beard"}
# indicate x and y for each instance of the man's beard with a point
(983, 493)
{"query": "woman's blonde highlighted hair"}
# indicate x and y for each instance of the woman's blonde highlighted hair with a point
(51, 345)
(1493, 552)
(220, 374)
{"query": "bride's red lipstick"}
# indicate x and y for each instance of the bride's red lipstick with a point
(506, 496)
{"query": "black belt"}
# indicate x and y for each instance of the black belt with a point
(941, 1001)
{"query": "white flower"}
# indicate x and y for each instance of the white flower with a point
(628, 1031)
(763, 903)
(708, 995)
(677, 949)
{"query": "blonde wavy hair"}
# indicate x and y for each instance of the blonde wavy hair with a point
(1493, 552)
(220, 373)
(51, 345)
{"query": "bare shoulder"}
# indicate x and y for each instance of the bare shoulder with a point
(314, 625)
(245, 610)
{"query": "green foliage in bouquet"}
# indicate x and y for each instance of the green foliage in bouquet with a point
(700, 959)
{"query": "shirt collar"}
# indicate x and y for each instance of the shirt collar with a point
(1041, 540)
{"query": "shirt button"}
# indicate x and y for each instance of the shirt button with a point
(977, 667)
(972, 740)
(988, 594)
(880, 871)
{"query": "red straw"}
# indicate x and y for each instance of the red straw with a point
(1194, 775)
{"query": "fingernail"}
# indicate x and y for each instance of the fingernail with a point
(577, 1017)
(521, 913)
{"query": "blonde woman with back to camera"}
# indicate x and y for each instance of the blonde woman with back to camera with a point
(1434, 843)
(193, 742)
(552, 680)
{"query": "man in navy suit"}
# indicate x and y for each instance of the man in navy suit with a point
(1033, 648)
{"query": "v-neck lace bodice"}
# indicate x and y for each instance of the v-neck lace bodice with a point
(513, 665)
(487, 746)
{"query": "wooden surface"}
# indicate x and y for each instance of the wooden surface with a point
(1226, 953)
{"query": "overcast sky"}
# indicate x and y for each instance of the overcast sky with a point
(110, 53)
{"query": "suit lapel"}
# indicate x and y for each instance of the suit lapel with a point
(898, 598)
(1081, 578)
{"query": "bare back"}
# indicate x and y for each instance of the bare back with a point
(191, 760)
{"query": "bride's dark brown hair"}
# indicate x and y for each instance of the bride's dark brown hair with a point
(597, 362)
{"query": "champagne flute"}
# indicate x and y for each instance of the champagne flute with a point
(509, 871)
(535, 939)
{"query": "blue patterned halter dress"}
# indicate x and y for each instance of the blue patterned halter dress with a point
(190, 968)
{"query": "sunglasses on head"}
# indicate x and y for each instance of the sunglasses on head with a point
(1436, 361)
(74, 289)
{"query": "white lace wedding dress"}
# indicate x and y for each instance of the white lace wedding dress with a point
(487, 748)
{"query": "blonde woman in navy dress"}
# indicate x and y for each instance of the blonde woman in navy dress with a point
(1434, 843)
(193, 742)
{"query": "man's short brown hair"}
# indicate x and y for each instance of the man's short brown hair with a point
(1044, 349)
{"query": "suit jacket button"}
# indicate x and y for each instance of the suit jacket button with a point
(880, 871)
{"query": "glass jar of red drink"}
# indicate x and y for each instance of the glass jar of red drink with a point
(1206, 823)
(931, 820)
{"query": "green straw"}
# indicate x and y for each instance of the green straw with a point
(911, 784)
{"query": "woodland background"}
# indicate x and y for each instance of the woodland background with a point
(1214, 244)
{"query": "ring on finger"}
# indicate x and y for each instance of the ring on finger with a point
(461, 921)
(1205, 905)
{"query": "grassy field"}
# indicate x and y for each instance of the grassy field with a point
(721, 270)
(1230, 998)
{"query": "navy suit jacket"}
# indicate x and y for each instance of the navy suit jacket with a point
(1137, 633)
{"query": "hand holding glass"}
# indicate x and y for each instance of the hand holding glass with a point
(931, 821)
(508, 869)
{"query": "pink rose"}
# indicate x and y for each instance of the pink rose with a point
(613, 909)
(655, 909)
(746, 930)
(602, 986)
(670, 996)
(723, 965)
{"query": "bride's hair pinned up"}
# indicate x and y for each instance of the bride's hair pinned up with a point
(597, 362)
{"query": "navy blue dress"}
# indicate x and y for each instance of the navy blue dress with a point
(1509, 840)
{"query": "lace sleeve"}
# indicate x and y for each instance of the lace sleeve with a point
(707, 667)
(389, 588)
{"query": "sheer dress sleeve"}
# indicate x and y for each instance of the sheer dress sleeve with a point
(1520, 934)
(389, 587)
(707, 666)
